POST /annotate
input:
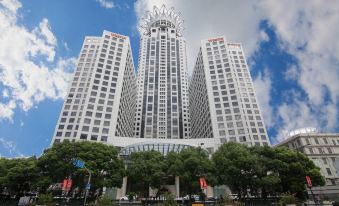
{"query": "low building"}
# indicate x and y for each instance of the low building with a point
(323, 150)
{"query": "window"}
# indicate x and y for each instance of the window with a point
(320, 151)
(95, 129)
(83, 136)
(325, 161)
(329, 150)
(105, 130)
(94, 137)
(328, 171)
(316, 140)
(325, 140)
(85, 128)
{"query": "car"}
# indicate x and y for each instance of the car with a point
(123, 198)
(195, 197)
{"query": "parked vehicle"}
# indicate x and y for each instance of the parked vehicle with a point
(124, 198)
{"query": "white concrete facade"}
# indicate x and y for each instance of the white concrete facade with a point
(101, 101)
(223, 103)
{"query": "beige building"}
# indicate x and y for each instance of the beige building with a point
(323, 150)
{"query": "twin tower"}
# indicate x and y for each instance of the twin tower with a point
(107, 102)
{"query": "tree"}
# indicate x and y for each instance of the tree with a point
(235, 167)
(193, 163)
(293, 167)
(56, 163)
(18, 175)
(146, 169)
(264, 170)
(266, 180)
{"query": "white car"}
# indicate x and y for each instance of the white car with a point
(124, 198)
(195, 197)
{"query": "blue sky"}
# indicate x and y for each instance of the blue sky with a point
(292, 50)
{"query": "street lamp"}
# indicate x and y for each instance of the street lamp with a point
(88, 186)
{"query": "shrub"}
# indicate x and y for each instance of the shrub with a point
(168, 200)
(287, 199)
(105, 201)
(45, 199)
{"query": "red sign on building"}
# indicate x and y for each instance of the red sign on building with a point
(216, 39)
(118, 36)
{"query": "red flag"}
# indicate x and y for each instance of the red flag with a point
(203, 183)
(67, 184)
(309, 182)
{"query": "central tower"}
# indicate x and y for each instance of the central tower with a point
(162, 104)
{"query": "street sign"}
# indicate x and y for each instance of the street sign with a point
(78, 163)
(309, 182)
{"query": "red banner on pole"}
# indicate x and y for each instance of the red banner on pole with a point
(309, 182)
(203, 184)
(67, 184)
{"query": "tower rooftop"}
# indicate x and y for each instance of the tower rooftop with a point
(163, 18)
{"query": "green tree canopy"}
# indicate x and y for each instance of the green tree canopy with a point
(235, 166)
(264, 170)
(56, 163)
(146, 169)
(191, 164)
(18, 175)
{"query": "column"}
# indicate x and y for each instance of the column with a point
(177, 186)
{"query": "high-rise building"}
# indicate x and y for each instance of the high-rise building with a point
(108, 103)
(223, 104)
(101, 101)
(162, 104)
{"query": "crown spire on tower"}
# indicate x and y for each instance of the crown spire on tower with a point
(162, 17)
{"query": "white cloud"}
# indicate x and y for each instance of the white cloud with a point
(263, 86)
(264, 36)
(297, 115)
(5, 93)
(11, 5)
(10, 148)
(307, 31)
(6, 110)
(29, 71)
(65, 46)
(292, 73)
(106, 4)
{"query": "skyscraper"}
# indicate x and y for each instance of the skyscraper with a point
(223, 104)
(108, 103)
(162, 104)
(101, 101)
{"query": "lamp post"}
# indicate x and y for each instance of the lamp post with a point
(88, 186)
